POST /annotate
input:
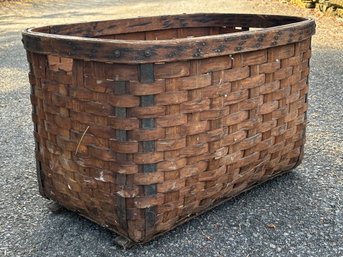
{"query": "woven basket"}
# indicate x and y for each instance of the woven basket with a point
(140, 124)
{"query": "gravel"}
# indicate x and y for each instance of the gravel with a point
(298, 214)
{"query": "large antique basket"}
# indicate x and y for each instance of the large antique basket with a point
(140, 124)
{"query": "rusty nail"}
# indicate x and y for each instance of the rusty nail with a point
(117, 53)
(147, 53)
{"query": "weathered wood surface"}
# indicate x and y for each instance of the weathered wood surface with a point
(82, 40)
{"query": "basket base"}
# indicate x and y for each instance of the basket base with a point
(221, 201)
(55, 207)
(124, 242)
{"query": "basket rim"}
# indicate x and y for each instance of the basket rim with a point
(167, 50)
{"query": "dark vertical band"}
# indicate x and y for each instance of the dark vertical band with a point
(120, 88)
(146, 73)
(39, 171)
(40, 175)
(147, 76)
(121, 202)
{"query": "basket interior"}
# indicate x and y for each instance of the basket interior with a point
(170, 27)
(175, 33)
